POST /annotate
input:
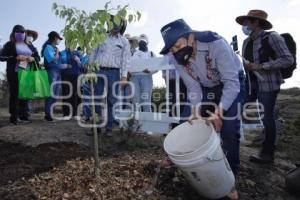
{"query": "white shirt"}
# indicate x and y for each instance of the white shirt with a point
(114, 52)
(225, 68)
(138, 54)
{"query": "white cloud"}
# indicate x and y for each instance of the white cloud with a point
(293, 3)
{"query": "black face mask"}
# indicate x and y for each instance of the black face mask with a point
(183, 55)
(143, 46)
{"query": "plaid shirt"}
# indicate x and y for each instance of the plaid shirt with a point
(114, 52)
(271, 76)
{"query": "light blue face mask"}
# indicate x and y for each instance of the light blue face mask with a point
(246, 30)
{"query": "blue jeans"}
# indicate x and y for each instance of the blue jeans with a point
(113, 76)
(53, 76)
(86, 90)
(268, 100)
(230, 132)
(142, 91)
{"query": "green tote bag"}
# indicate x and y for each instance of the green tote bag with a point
(33, 83)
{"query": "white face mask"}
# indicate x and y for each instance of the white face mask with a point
(29, 39)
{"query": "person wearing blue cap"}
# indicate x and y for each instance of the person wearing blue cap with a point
(53, 65)
(214, 78)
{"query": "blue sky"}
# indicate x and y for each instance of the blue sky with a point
(216, 15)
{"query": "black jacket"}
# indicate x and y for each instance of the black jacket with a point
(35, 53)
(9, 54)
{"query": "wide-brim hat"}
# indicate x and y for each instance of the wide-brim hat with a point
(172, 32)
(256, 14)
(33, 33)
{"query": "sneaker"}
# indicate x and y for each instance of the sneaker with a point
(13, 120)
(24, 120)
(262, 158)
(65, 118)
(84, 119)
(48, 119)
(77, 117)
(108, 133)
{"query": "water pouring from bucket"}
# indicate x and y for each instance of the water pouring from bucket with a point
(196, 150)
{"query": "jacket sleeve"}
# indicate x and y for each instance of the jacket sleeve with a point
(284, 58)
(7, 53)
(229, 71)
(49, 54)
(36, 55)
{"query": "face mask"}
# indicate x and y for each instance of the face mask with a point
(183, 55)
(246, 30)
(29, 39)
(143, 46)
(20, 37)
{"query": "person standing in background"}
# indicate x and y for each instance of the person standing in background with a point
(32, 36)
(263, 73)
(112, 57)
(53, 66)
(71, 75)
(17, 54)
(142, 81)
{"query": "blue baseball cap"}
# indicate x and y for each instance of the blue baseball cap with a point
(172, 32)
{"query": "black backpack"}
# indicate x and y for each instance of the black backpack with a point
(267, 52)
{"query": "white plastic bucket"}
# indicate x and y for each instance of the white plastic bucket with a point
(197, 151)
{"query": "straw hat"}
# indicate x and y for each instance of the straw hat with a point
(34, 34)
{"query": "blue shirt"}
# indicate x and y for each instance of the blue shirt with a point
(52, 63)
(68, 57)
(224, 69)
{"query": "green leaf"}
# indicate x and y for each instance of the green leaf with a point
(117, 20)
(54, 6)
(130, 18)
(139, 15)
(106, 5)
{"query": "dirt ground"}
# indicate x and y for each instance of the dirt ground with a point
(54, 161)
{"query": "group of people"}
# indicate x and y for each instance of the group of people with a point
(19, 52)
(211, 73)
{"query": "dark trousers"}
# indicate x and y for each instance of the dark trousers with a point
(184, 109)
(74, 99)
(268, 101)
(230, 132)
(17, 107)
